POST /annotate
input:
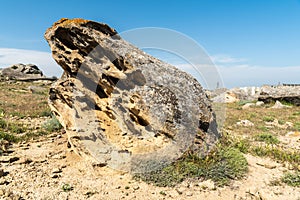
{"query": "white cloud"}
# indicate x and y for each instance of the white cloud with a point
(225, 59)
(233, 71)
(237, 73)
(43, 60)
(246, 75)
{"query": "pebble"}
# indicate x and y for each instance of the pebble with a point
(208, 184)
(136, 187)
(55, 176)
(189, 194)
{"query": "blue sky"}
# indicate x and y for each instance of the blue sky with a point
(251, 42)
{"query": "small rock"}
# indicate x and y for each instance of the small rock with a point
(55, 175)
(56, 171)
(25, 161)
(179, 190)
(189, 194)
(279, 105)
(245, 123)
(247, 106)
(2, 192)
(259, 103)
(293, 134)
(136, 187)
(208, 184)
(267, 165)
(10, 159)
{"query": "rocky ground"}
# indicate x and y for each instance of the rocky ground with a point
(43, 167)
(47, 169)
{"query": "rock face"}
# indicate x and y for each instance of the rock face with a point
(21, 71)
(290, 94)
(122, 107)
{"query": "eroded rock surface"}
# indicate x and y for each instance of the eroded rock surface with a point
(21, 71)
(121, 106)
(289, 94)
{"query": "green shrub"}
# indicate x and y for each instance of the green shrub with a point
(16, 128)
(52, 125)
(8, 137)
(3, 123)
(268, 119)
(297, 126)
(45, 113)
(18, 114)
(267, 138)
(67, 187)
(221, 166)
(292, 179)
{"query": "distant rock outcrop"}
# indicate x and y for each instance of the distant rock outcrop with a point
(266, 94)
(125, 108)
(288, 94)
(21, 71)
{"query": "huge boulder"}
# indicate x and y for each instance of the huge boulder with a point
(20, 72)
(122, 107)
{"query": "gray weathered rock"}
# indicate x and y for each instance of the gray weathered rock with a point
(21, 71)
(290, 94)
(121, 106)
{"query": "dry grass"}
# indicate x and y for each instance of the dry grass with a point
(17, 100)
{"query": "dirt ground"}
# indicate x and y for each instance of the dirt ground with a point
(47, 169)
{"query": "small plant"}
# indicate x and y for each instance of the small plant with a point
(67, 187)
(163, 193)
(3, 123)
(16, 128)
(276, 153)
(296, 113)
(127, 187)
(262, 128)
(8, 137)
(52, 125)
(268, 119)
(292, 179)
(222, 165)
(267, 138)
(45, 113)
(297, 126)
(17, 114)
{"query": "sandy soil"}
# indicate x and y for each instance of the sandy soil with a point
(40, 169)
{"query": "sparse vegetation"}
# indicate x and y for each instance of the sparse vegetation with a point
(246, 145)
(267, 138)
(268, 119)
(222, 165)
(297, 126)
(67, 187)
(8, 137)
(292, 179)
(52, 125)
(3, 124)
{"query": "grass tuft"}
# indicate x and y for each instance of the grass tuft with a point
(267, 138)
(221, 166)
(292, 179)
(52, 125)
(8, 137)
